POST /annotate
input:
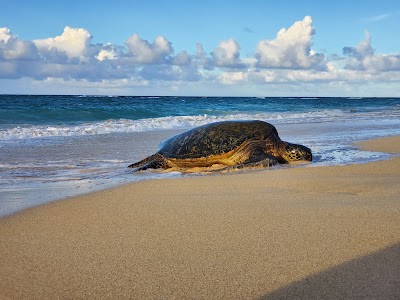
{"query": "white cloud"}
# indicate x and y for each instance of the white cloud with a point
(17, 50)
(382, 63)
(287, 60)
(12, 48)
(74, 42)
(362, 50)
(5, 34)
(16, 56)
(231, 78)
(106, 54)
(291, 49)
(200, 54)
(143, 52)
(226, 54)
(182, 59)
(363, 58)
(67, 56)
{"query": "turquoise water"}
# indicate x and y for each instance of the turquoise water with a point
(34, 112)
(57, 146)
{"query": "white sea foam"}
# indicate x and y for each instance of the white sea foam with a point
(163, 123)
(183, 122)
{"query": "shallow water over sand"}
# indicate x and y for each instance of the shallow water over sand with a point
(35, 173)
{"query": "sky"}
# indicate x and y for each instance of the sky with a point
(200, 48)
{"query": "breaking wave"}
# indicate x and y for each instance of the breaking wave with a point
(184, 122)
(162, 123)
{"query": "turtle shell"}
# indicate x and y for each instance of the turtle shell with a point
(216, 138)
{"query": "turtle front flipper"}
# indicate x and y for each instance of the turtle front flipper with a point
(257, 158)
(264, 161)
(267, 162)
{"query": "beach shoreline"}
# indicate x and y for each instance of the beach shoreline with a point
(326, 232)
(56, 147)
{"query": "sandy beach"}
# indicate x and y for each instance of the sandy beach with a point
(292, 233)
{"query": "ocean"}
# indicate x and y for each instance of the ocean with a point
(52, 147)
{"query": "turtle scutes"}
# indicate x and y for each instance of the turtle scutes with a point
(224, 145)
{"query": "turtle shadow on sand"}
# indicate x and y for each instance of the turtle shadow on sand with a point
(224, 146)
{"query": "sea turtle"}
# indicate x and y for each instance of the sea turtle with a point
(224, 145)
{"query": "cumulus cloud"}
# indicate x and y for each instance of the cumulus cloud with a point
(72, 56)
(363, 58)
(73, 42)
(5, 35)
(226, 54)
(363, 49)
(12, 48)
(291, 49)
(105, 54)
(182, 59)
(16, 55)
(230, 78)
(143, 52)
(67, 56)
(287, 59)
(200, 54)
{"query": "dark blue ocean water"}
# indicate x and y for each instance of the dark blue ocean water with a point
(31, 112)
(57, 146)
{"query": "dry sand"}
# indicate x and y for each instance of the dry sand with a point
(297, 233)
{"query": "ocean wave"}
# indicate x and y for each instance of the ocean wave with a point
(162, 123)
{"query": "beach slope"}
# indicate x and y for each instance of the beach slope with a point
(319, 232)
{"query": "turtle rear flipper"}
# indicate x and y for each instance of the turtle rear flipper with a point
(155, 164)
(267, 162)
(155, 161)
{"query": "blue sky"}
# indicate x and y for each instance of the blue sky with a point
(340, 48)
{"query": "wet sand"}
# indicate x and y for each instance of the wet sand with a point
(309, 233)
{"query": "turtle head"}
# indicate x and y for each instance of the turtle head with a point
(295, 153)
